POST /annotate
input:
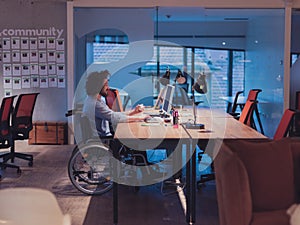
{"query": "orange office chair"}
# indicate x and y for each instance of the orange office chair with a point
(285, 124)
(253, 93)
(247, 113)
(252, 96)
(21, 126)
(5, 130)
(113, 100)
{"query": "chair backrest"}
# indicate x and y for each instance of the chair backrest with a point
(31, 206)
(234, 105)
(297, 105)
(22, 115)
(5, 114)
(253, 93)
(113, 100)
(284, 124)
(247, 113)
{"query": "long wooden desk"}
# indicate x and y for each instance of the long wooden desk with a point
(218, 126)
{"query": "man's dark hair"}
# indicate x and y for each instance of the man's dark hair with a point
(94, 82)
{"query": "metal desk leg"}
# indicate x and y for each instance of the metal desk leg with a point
(193, 188)
(115, 202)
(188, 184)
(115, 187)
(191, 185)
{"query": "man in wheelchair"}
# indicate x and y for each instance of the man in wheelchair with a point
(103, 119)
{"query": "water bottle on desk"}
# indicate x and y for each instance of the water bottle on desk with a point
(175, 115)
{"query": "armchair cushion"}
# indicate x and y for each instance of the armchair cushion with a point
(269, 166)
(276, 217)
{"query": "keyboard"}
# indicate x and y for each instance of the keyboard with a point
(154, 120)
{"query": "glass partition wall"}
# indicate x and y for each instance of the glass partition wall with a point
(237, 49)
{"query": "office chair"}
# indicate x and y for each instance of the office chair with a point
(21, 126)
(113, 100)
(31, 206)
(246, 116)
(235, 105)
(285, 126)
(253, 94)
(5, 129)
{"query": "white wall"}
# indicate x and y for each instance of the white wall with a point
(51, 104)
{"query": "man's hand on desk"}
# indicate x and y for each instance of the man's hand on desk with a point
(138, 109)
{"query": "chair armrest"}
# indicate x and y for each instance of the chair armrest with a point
(233, 190)
(234, 114)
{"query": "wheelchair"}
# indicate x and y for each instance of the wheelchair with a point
(90, 167)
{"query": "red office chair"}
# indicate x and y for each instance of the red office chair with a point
(5, 130)
(252, 96)
(285, 124)
(247, 113)
(253, 93)
(113, 100)
(21, 125)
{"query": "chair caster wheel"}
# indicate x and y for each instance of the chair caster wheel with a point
(30, 164)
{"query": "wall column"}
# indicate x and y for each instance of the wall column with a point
(70, 66)
(287, 53)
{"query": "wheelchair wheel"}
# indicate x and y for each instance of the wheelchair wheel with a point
(90, 169)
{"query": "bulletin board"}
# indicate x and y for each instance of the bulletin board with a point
(32, 58)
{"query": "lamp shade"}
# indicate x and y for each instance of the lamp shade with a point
(181, 78)
(201, 86)
(165, 79)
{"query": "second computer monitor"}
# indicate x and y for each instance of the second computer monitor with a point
(168, 98)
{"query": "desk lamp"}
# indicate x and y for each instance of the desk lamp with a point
(181, 78)
(165, 79)
(201, 87)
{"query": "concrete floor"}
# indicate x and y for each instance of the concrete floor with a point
(148, 206)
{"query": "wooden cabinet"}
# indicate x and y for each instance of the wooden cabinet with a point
(48, 133)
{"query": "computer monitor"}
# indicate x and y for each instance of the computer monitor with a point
(160, 98)
(167, 103)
